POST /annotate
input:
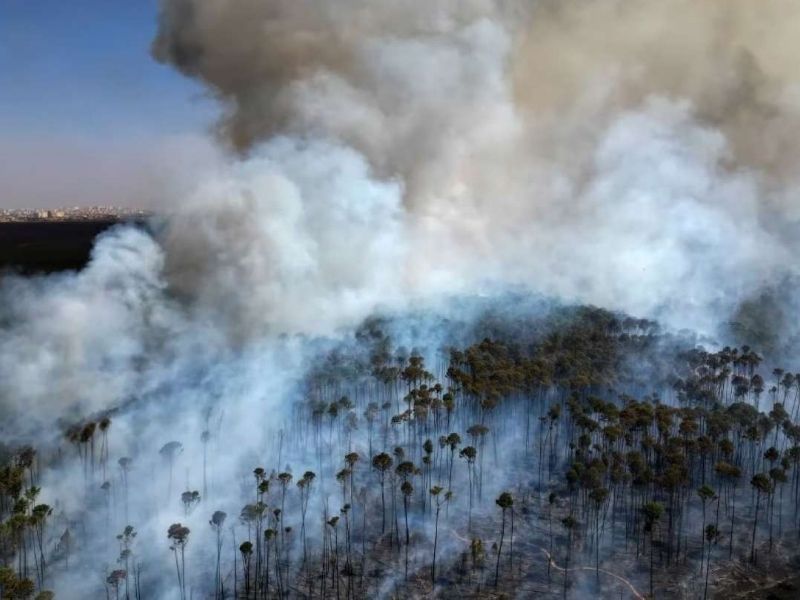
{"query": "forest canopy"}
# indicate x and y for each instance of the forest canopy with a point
(519, 446)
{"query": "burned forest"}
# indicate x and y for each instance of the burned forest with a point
(388, 299)
(567, 453)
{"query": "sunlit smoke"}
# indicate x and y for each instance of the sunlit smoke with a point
(386, 156)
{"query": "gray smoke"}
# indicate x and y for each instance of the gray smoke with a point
(635, 156)
(638, 156)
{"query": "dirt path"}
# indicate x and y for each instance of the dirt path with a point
(636, 594)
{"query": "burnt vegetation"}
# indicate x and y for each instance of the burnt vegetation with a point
(572, 454)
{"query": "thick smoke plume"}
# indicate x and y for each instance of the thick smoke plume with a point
(635, 155)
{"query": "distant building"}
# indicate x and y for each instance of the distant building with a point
(88, 213)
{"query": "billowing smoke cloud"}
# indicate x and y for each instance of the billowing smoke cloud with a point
(71, 343)
(638, 156)
(300, 233)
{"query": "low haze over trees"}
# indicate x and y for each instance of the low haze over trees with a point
(576, 452)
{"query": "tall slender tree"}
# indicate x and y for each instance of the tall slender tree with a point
(382, 463)
(505, 501)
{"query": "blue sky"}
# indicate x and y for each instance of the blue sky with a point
(77, 81)
(84, 66)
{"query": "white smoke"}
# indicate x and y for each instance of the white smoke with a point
(70, 342)
(548, 145)
(298, 238)
(451, 148)
(394, 152)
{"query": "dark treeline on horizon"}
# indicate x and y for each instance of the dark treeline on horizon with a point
(49, 246)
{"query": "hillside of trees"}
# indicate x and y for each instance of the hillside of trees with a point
(557, 453)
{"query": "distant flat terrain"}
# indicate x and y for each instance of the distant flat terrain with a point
(48, 246)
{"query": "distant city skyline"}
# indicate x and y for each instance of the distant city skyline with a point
(87, 117)
(71, 213)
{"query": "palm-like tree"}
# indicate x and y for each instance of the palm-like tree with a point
(478, 434)
(598, 497)
(731, 474)
(778, 477)
(761, 485)
(285, 479)
(270, 535)
(407, 490)
(38, 520)
(304, 485)
(405, 470)
(453, 440)
(506, 502)
(343, 477)
(705, 493)
(332, 523)
(189, 499)
(114, 579)
(427, 462)
(86, 437)
(439, 499)
(345, 512)
(382, 463)
(469, 453)
(711, 537)
(652, 514)
(126, 539)
(103, 425)
(179, 536)
(351, 459)
(246, 550)
(217, 522)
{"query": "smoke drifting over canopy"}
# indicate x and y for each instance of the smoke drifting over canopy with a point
(389, 153)
(635, 155)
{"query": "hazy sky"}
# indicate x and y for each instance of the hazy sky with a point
(86, 115)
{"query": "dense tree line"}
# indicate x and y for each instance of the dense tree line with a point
(502, 457)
